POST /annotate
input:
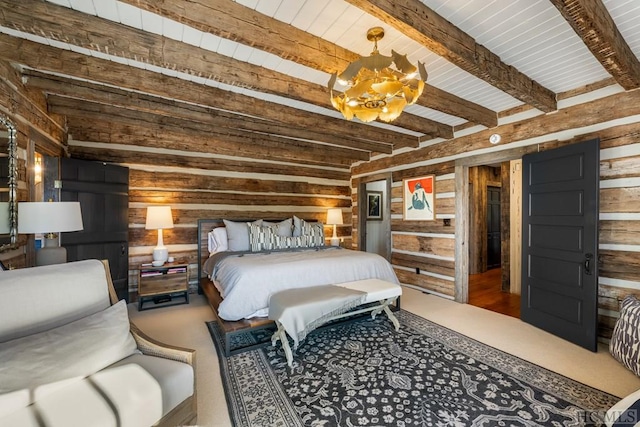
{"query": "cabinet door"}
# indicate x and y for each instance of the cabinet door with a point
(103, 193)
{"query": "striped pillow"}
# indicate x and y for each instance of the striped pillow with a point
(315, 232)
(260, 237)
(626, 335)
(286, 242)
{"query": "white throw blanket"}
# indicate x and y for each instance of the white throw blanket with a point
(302, 310)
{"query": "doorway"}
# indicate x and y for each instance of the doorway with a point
(488, 189)
(374, 215)
(488, 225)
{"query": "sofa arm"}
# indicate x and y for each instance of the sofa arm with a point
(152, 347)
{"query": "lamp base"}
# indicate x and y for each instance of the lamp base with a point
(160, 254)
(335, 241)
(51, 255)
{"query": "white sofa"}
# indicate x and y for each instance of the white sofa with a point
(70, 357)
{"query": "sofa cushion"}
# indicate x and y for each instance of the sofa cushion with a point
(123, 396)
(625, 340)
(40, 298)
(175, 378)
(74, 350)
(625, 412)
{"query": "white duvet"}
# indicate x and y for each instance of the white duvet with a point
(247, 281)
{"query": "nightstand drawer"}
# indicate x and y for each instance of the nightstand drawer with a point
(162, 284)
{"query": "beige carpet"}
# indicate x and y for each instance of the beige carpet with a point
(184, 325)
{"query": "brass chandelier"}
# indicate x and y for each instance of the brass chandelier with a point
(373, 89)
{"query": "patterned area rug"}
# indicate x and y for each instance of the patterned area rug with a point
(364, 373)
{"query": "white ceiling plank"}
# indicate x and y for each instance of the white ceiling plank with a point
(268, 7)
(226, 47)
(172, 29)
(129, 15)
(210, 42)
(84, 6)
(288, 10)
(191, 36)
(107, 9)
(151, 22)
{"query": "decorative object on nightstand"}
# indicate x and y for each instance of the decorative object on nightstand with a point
(163, 286)
(50, 218)
(159, 218)
(334, 217)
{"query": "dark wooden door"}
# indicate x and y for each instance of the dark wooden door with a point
(103, 193)
(493, 227)
(560, 241)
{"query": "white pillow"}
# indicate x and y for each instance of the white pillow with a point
(212, 246)
(238, 234)
(297, 227)
(283, 228)
(222, 241)
(74, 350)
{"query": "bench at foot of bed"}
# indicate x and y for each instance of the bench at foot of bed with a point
(297, 312)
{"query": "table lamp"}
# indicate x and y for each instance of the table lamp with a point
(159, 218)
(334, 217)
(49, 218)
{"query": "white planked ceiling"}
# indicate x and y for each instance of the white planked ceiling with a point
(531, 36)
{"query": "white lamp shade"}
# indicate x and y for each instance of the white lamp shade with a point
(334, 216)
(49, 217)
(159, 217)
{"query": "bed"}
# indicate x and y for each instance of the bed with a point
(244, 280)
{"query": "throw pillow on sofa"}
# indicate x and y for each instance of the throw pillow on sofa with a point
(74, 350)
(625, 341)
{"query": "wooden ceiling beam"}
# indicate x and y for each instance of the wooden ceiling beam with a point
(97, 34)
(417, 21)
(83, 152)
(92, 92)
(232, 20)
(38, 56)
(593, 23)
(88, 112)
(95, 128)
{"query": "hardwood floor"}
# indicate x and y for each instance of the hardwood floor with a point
(485, 292)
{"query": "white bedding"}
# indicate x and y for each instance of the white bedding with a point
(246, 282)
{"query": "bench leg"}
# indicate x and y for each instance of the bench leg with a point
(385, 307)
(281, 335)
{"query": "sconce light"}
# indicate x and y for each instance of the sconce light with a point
(38, 169)
(49, 218)
(159, 218)
(334, 217)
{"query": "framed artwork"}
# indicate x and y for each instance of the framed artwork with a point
(418, 198)
(374, 205)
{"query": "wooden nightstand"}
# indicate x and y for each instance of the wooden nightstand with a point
(163, 286)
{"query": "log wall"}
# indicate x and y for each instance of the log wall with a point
(423, 254)
(200, 185)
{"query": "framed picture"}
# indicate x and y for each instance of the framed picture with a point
(419, 199)
(374, 205)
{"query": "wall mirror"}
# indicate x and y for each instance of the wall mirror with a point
(8, 185)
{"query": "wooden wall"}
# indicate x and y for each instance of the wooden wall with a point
(423, 254)
(204, 185)
(36, 129)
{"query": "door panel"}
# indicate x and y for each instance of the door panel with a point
(102, 191)
(560, 236)
(493, 227)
